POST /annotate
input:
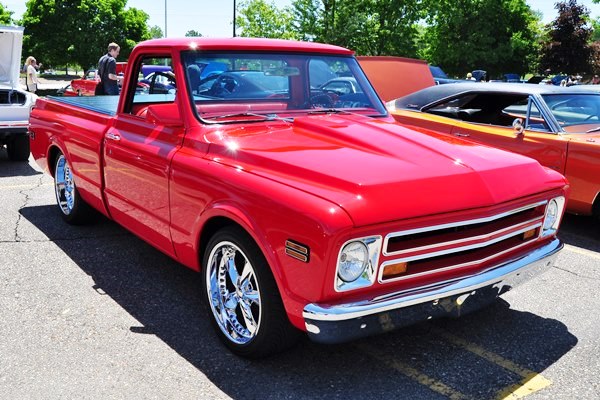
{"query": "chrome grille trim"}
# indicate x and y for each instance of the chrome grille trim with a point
(452, 225)
(481, 239)
(450, 267)
(477, 241)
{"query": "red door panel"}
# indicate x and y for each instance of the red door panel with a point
(137, 158)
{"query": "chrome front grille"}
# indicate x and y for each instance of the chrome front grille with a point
(460, 245)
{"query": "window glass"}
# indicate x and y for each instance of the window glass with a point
(155, 81)
(575, 109)
(228, 86)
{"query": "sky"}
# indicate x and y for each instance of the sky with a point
(213, 18)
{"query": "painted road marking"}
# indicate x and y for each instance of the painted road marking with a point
(412, 373)
(584, 252)
(531, 383)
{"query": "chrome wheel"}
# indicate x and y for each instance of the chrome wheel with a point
(233, 292)
(64, 186)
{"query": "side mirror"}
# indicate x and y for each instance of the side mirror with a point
(164, 114)
(518, 126)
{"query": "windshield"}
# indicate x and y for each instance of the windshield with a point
(230, 86)
(437, 72)
(576, 113)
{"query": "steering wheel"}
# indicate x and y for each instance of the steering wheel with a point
(559, 104)
(169, 76)
(323, 100)
(591, 116)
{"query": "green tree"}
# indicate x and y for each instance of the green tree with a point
(306, 19)
(5, 15)
(156, 32)
(370, 27)
(193, 33)
(595, 30)
(567, 49)
(257, 18)
(498, 36)
(77, 32)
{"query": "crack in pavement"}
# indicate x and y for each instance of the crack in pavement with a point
(577, 274)
(25, 202)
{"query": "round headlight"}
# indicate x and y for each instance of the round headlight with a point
(353, 261)
(551, 214)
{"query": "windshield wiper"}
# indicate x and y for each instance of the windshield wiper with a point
(329, 111)
(260, 117)
(593, 130)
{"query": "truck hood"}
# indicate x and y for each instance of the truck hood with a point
(377, 170)
(11, 41)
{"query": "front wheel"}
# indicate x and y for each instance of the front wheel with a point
(246, 307)
(73, 209)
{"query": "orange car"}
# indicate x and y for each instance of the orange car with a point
(558, 126)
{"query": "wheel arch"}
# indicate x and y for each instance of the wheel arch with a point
(224, 215)
(53, 153)
(221, 216)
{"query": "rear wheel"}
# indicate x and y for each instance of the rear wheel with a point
(18, 148)
(73, 209)
(247, 310)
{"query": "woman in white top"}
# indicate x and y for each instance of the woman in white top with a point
(31, 77)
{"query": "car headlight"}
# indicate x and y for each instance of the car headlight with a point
(353, 261)
(357, 262)
(554, 211)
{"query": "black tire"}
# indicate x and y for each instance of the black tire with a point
(254, 323)
(18, 148)
(73, 209)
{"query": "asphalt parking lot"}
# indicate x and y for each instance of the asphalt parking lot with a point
(93, 312)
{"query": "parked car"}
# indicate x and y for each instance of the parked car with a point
(396, 76)
(15, 103)
(341, 85)
(559, 127)
(86, 85)
(158, 82)
(303, 210)
(440, 77)
(479, 75)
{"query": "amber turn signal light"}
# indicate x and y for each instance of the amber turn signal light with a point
(392, 270)
(529, 234)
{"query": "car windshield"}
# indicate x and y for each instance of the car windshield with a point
(437, 72)
(576, 113)
(228, 86)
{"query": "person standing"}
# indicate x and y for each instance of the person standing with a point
(107, 71)
(31, 78)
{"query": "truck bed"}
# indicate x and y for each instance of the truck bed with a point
(101, 104)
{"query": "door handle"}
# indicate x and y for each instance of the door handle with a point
(112, 136)
(461, 134)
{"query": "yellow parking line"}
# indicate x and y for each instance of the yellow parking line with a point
(524, 388)
(584, 252)
(412, 373)
(531, 382)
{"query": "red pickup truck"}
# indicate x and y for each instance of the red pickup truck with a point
(303, 208)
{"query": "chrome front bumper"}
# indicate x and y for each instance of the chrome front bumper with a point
(336, 323)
